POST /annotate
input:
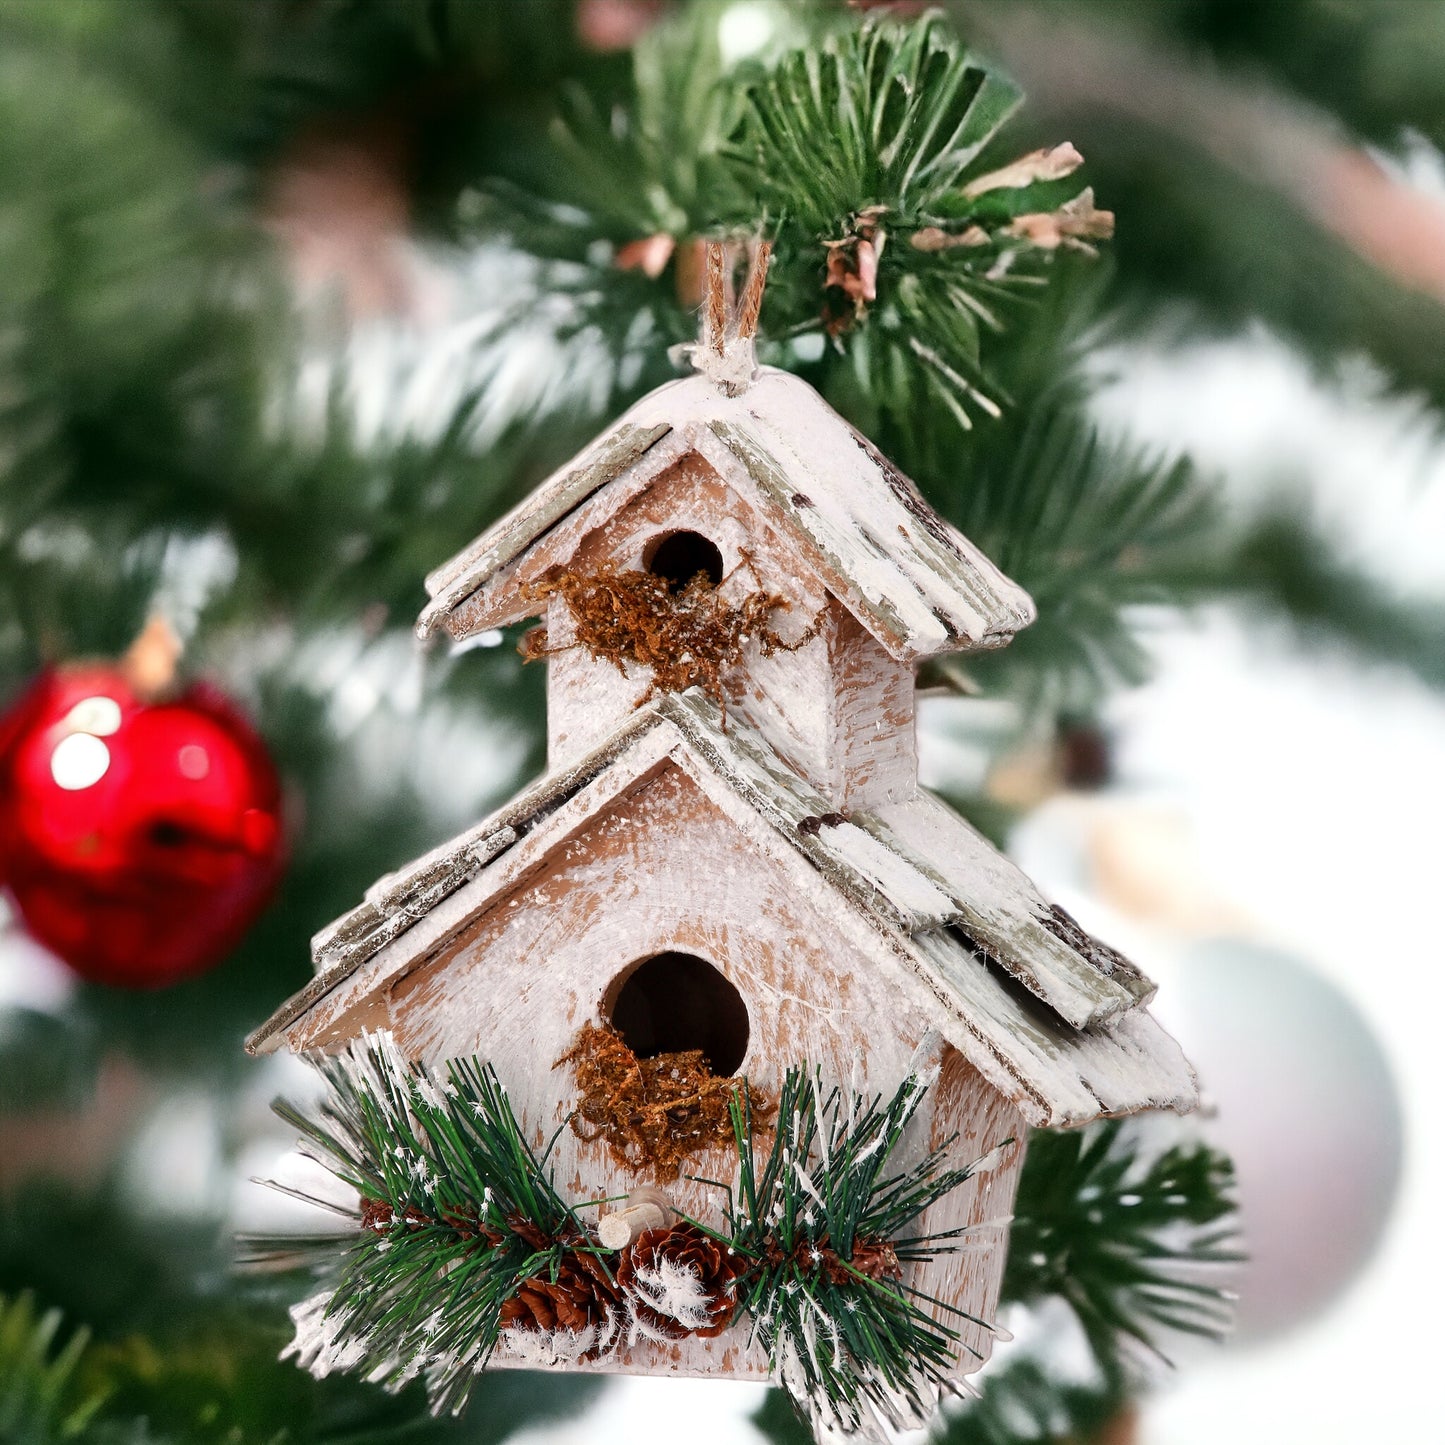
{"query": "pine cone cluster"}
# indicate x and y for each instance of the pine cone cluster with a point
(668, 1284)
(580, 1300)
(677, 1282)
(876, 1259)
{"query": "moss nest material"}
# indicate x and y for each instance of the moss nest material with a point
(653, 1113)
(691, 636)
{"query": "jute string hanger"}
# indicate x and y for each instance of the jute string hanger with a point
(729, 319)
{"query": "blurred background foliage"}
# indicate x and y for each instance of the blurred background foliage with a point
(299, 295)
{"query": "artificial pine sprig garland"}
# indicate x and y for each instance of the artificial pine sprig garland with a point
(462, 1243)
(457, 1213)
(826, 1224)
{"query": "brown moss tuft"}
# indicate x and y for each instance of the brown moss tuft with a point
(691, 637)
(652, 1113)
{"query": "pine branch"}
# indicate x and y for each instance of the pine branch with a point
(41, 1399)
(1024, 1402)
(1091, 529)
(826, 1225)
(860, 148)
(1138, 1243)
(222, 1388)
(1284, 562)
(1245, 204)
(650, 165)
(1132, 1240)
(456, 1212)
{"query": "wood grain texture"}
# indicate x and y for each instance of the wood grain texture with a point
(659, 869)
(915, 583)
(839, 710)
(903, 917)
(453, 582)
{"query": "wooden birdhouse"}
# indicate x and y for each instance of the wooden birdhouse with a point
(730, 859)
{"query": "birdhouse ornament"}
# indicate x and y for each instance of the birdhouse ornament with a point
(713, 1052)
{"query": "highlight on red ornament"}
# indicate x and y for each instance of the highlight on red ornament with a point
(140, 835)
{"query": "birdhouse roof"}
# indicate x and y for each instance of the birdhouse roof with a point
(914, 582)
(1052, 1017)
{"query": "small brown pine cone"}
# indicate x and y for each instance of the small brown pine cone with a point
(679, 1282)
(582, 1297)
(876, 1258)
(376, 1215)
(379, 1216)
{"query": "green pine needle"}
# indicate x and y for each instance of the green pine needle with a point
(856, 1351)
(881, 114)
(41, 1397)
(1138, 1243)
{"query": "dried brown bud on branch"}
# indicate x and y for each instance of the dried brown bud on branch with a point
(1074, 224)
(1052, 163)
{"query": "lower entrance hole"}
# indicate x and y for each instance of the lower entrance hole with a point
(674, 1002)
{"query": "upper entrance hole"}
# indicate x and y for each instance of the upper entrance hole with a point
(680, 556)
(674, 1002)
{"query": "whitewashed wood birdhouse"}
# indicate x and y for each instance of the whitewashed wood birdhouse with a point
(754, 873)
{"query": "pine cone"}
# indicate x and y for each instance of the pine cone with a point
(581, 1300)
(876, 1258)
(678, 1282)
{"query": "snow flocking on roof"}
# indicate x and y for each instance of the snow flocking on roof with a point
(916, 583)
(1050, 1016)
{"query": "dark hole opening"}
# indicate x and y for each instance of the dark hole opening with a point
(677, 1001)
(680, 556)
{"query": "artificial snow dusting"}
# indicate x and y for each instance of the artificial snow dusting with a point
(674, 1290)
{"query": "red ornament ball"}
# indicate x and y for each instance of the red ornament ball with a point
(138, 838)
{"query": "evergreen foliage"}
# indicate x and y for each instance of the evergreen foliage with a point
(856, 1349)
(455, 1213)
(468, 1212)
(1135, 1244)
(39, 1400)
(188, 1358)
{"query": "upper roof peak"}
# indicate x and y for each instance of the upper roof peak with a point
(911, 580)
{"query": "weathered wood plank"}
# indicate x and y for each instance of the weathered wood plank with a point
(452, 583)
(857, 863)
(1059, 1077)
(999, 908)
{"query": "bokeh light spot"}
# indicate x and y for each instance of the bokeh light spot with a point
(79, 761)
(99, 716)
(193, 761)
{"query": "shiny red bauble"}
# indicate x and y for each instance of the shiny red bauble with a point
(138, 839)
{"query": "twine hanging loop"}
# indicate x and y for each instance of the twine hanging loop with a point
(730, 319)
